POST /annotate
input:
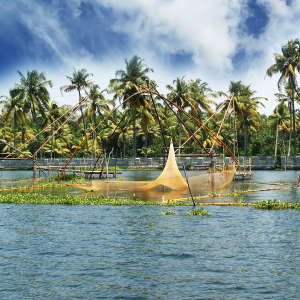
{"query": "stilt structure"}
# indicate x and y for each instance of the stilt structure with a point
(243, 174)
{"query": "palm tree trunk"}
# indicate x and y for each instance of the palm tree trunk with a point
(290, 138)
(146, 145)
(124, 145)
(276, 138)
(234, 129)
(194, 150)
(51, 142)
(283, 146)
(180, 129)
(245, 140)
(15, 131)
(134, 132)
(93, 146)
(294, 125)
(37, 128)
(84, 127)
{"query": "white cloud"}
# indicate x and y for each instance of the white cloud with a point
(210, 31)
(206, 29)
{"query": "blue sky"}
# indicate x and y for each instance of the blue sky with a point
(217, 41)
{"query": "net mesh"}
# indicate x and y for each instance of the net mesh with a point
(170, 176)
(212, 179)
(171, 180)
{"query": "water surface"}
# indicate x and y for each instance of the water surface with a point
(262, 180)
(106, 252)
(132, 252)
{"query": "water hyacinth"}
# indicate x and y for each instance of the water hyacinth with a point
(198, 212)
(88, 199)
(275, 205)
(170, 212)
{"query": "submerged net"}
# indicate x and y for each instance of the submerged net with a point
(171, 180)
(212, 179)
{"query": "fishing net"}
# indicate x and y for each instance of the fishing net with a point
(171, 180)
(170, 176)
(212, 179)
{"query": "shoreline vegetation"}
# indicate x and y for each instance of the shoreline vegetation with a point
(28, 112)
(90, 199)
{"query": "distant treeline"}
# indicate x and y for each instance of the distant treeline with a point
(134, 127)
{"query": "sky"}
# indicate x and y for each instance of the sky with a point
(217, 41)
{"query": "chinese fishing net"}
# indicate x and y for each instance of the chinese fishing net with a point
(171, 180)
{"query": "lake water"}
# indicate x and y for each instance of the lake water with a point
(106, 252)
(132, 252)
(260, 180)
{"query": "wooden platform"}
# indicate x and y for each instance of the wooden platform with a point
(242, 175)
(101, 173)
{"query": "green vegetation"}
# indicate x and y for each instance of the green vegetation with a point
(6, 196)
(88, 199)
(198, 212)
(134, 127)
(68, 177)
(275, 205)
(236, 193)
(170, 212)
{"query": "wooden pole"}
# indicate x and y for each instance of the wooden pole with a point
(34, 167)
(106, 163)
(187, 180)
(223, 159)
(285, 164)
(213, 163)
(250, 165)
(102, 167)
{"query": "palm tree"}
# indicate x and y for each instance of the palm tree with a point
(147, 120)
(13, 107)
(286, 64)
(5, 134)
(279, 120)
(244, 108)
(287, 98)
(123, 131)
(59, 147)
(97, 104)
(25, 133)
(127, 83)
(33, 91)
(53, 114)
(226, 134)
(180, 95)
(200, 92)
(79, 81)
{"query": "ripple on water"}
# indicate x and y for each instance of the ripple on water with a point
(100, 252)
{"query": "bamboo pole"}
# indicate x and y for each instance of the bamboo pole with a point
(106, 164)
(187, 180)
(285, 165)
(213, 163)
(34, 167)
